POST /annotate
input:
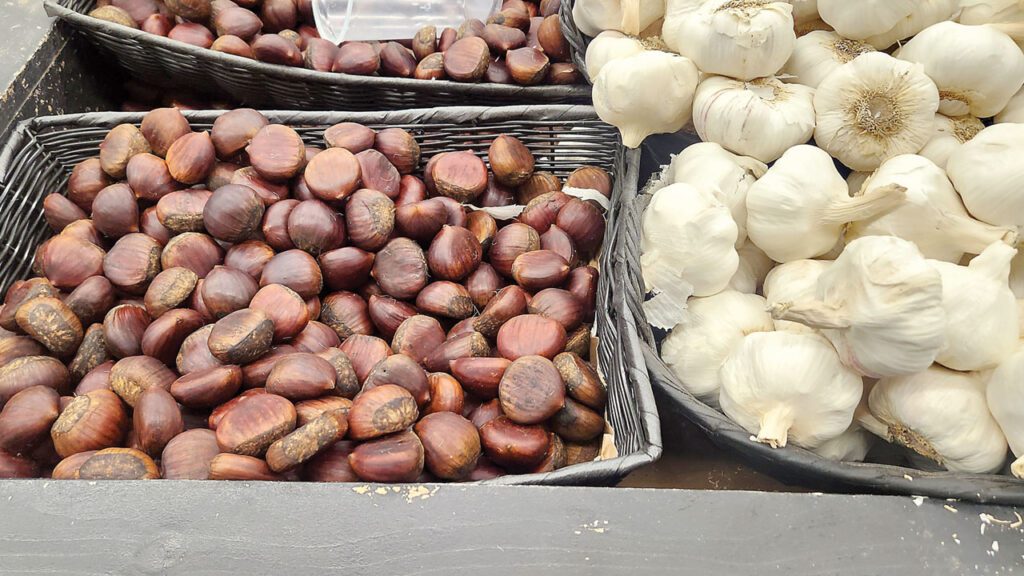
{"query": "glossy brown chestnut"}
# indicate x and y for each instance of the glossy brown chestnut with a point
(346, 313)
(467, 59)
(446, 394)
(197, 10)
(485, 470)
(346, 268)
(279, 15)
(250, 427)
(168, 290)
(400, 370)
(333, 175)
(309, 410)
(350, 136)
(538, 183)
(461, 176)
(387, 314)
(20, 293)
(131, 376)
(468, 345)
(194, 354)
(421, 220)
(346, 381)
(52, 323)
(558, 241)
(68, 261)
(149, 224)
(319, 54)
(506, 304)
(189, 454)
(577, 423)
(94, 421)
(485, 412)
(512, 16)
(149, 177)
(431, 68)
(559, 305)
(369, 219)
(541, 212)
(561, 73)
(97, 378)
(197, 252)
(233, 45)
(540, 269)
(480, 376)
(275, 224)
(584, 223)
(314, 227)
(119, 464)
(59, 211)
(295, 269)
(528, 66)
(417, 337)
(157, 419)
(285, 308)
(529, 335)
(237, 22)
(238, 467)
(424, 43)
(133, 263)
(509, 243)
(67, 469)
(401, 268)
(191, 157)
(555, 457)
(241, 337)
(483, 226)
(120, 144)
(581, 381)
(397, 60)
(381, 410)
(123, 327)
(164, 336)
(233, 130)
(451, 444)
(115, 212)
(269, 192)
(207, 388)
(591, 177)
(86, 180)
(497, 73)
(27, 416)
(448, 299)
(501, 39)
(511, 161)
(394, 458)
(233, 213)
(483, 284)
(276, 49)
(378, 173)
(512, 445)
(91, 299)
(276, 151)
(551, 39)
(331, 465)
(454, 253)
(14, 347)
(531, 390)
(447, 38)
(365, 352)
(249, 257)
(307, 441)
(316, 337)
(301, 376)
(549, 7)
(471, 28)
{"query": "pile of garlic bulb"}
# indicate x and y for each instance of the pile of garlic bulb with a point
(840, 259)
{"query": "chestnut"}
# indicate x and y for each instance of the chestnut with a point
(446, 394)
(579, 341)
(369, 219)
(540, 269)
(307, 441)
(115, 211)
(483, 226)
(482, 284)
(560, 73)
(130, 377)
(451, 444)
(531, 390)
(496, 194)
(558, 241)
(467, 59)
(133, 263)
(501, 39)
(485, 412)
(447, 39)
(350, 136)
(114, 14)
(559, 305)
(584, 223)
(149, 177)
(511, 17)
(207, 388)
(91, 299)
(539, 183)
(400, 148)
(417, 337)
(233, 213)
(316, 337)
(86, 180)
(233, 131)
(276, 151)
(119, 464)
(52, 323)
(20, 293)
(196, 10)
(424, 43)
(232, 45)
(191, 157)
(301, 376)
(14, 347)
(448, 299)
(315, 227)
(431, 68)
(27, 417)
(551, 39)
(509, 243)
(250, 427)
(249, 257)
(454, 253)
(394, 458)
(91, 353)
(541, 212)
(197, 252)
(67, 261)
(462, 346)
(123, 327)
(67, 469)
(278, 15)
(514, 446)
(591, 177)
(497, 73)
(381, 410)
(480, 376)
(581, 381)
(396, 60)
(284, 307)
(238, 467)
(225, 290)
(157, 419)
(333, 175)
(189, 454)
(378, 173)
(118, 146)
(275, 224)
(387, 314)
(331, 465)
(459, 175)
(577, 423)
(471, 28)
(96, 379)
(149, 224)
(168, 290)
(346, 381)
(194, 354)
(485, 470)
(165, 335)
(309, 410)
(59, 211)
(364, 352)
(403, 371)
(529, 335)
(421, 220)
(549, 7)
(319, 54)
(241, 336)
(506, 304)
(269, 192)
(276, 49)
(162, 127)
(358, 58)
(295, 269)
(464, 326)
(94, 421)
(346, 313)
(236, 22)
(346, 268)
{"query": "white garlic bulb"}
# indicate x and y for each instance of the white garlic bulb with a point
(981, 311)
(739, 114)
(856, 180)
(786, 388)
(850, 446)
(817, 54)
(663, 106)
(688, 248)
(925, 14)
(675, 13)
(941, 415)
(866, 18)
(950, 134)
(1017, 275)
(743, 39)
(880, 304)
(799, 207)
(960, 60)
(990, 11)
(711, 328)
(1014, 110)
(985, 171)
(873, 108)
(627, 16)
(794, 281)
(609, 45)
(1005, 394)
(710, 167)
(753, 268)
(932, 215)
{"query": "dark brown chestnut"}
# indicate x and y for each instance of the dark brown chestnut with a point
(157, 419)
(346, 268)
(378, 173)
(94, 421)
(233, 213)
(446, 39)
(276, 49)
(364, 352)
(130, 377)
(592, 178)
(149, 177)
(237, 22)
(417, 337)
(579, 341)
(559, 305)
(194, 354)
(301, 376)
(314, 227)
(401, 268)
(461, 176)
(506, 304)
(541, 212)
(480, 376)
(133, 263)
(467, 59)
(162, 127)
(241, 337)
(275, 224)
(380, 411)
(14, 347)
(387, 314)
(539, 183)
(531, 390)
(514, 446)
(308, 441)
(483, 226)
(483, 284)
(276, 151)
(540, 269)
(577, 423)
(400, 148)
(309, 410)
(501, 39)
(558, 241)
(97, 379)
(451, 444)
(446, 394)
(358, 58)
(561, 73)
(250, 427)
(295, 269)
(28, 371)
(431, 68)
(169, 289)
(285, 308)
(191, 157)
(333, 175)
(529, 335)
(422, 220)
(91, 353)
(234, 130)
(397, 60)
(402, 371)
(471, 28)
(320, 54)
(115, 212)
(448, 299)
(584, 223)
(189, 454)
(394, 458)
(369, 219)
(485, 412)
(238, 467)
(278, 15)
(196, 10)
(120, 144)
(250, 257)
(346, 381)
(149, 224)
(269, 192)
(197, 252)
(207, 388)
(164, 336)
(509, 243)
(331, 465)
(91, 299)
(551, 39)
(514, 17)
(86, 180)
(462, 346)
(27, 417)
(59, 211)
(346, 313)
(454, 253)
(581, 381)
(315, 337)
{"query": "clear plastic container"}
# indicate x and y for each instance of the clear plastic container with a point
(340, 20)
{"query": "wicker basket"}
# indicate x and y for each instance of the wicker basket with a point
(577, 40)
(165, 62)
(790, 464)
(40, 154)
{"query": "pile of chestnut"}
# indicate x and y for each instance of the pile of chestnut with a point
(237, 305)
(521, 44)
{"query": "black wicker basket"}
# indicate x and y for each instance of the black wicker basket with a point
(577, 40)
(39, 156)
(165, 62)
(791, 464)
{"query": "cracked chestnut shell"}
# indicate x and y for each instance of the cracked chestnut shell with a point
(380, 411)
(250, 427)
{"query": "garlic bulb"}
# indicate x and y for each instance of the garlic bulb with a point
(960, 60)
(1017, 275)
(753, 268)
(609, 45)
(711, 328)
(850, 446)
(818, 54)
(925, 14)
(940, 414)
(710, 167)
(739, 114)
(788, 387)
(985, 172)
(873, 108)
(1014, 111)
(990, 11)
(860, 20)
(855, 181)
(662, 107)
(950, 134)
(1005, 394)
(880, 304)
(688, 248)
(794, 281)
(799, 207)
(743, 39)
(627, 16)
(981, 311)
(932, 215)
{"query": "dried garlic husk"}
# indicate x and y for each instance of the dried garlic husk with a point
(818, 54)
(738, 115)
(986, 172)
(981, 311)
(627, 16)
(743, 39)
(856, 180)
(866, 18)
(799, 207)
(1005, 394)
(1017, 275)
(754, 267)
(1014, 110)
(960, 60)
(664, 104)
(786, 387)
(609, 45)
(880, 304)
(711, 328)
(873, 108)
(926, 13)
(940, 414)
(950, 134)
(804, 11)
(794, 281)
(932, 215)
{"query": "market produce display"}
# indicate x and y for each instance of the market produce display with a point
(236, 304)
(837, 262)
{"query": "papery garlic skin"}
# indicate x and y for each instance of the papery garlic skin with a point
(742, 39)
(942, 415)
(817, 54)
(932, 215)
(856, 180)
(799, 207)
(711, 328)
(607, 46)
(1005, 395)
(880, 304)
(950, 134)
(786, 388)
(865, 18)
(925, 14)
(627, 16)
(960, 60)
(753, 268)
(873, 108)
(708, 166)
(986, 172)
(1017, 275)
(990, 11)
(1014, 110)
(740, 115)
(981, 311)
(664, 104)
(794, 281)
(804, 11)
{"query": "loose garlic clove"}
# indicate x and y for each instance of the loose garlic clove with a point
(1014, 110)
(794, 281)
(711, 328)
(739, 114)
(663, 106)
(941, 415)
(609, 45)
(754, 267)
(873, 108)
(799, 208)
(818, 54)
(789, 388)
(986, 174)
(743, 39)
(932, 216)
(880, 304)
(950, 134)
(866, 18)
(925, 14)
(627, 16)
(959, 60)
(1005, 394)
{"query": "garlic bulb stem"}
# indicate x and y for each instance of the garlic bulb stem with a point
(868, 205)
(814, 314)
(775, 425)
(900, 435)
